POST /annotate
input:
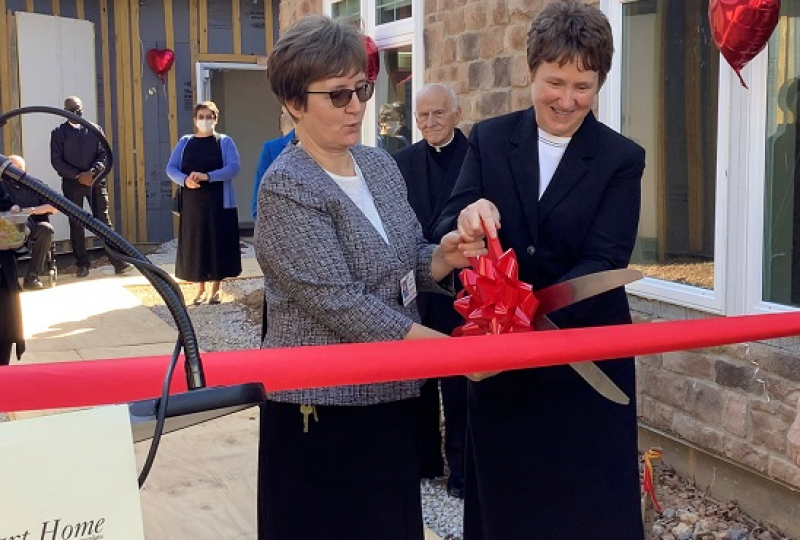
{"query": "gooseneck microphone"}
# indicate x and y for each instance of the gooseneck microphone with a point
(168, 290)
(150, 418)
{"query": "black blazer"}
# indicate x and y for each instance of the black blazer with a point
(585, 222)
(435, 310)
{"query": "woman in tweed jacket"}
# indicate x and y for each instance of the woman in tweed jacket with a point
(335, 237)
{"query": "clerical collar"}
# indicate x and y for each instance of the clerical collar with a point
(439, 148)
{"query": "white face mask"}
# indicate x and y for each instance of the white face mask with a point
(204, 126)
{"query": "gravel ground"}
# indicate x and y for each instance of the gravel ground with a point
(687, 512)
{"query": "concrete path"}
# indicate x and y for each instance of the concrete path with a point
(203, 483)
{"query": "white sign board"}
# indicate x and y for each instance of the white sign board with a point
(70, 476)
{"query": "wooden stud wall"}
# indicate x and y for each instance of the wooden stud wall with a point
(172, 94)
(107, 112)
(5, 72)
(124, 117)
(137, 156)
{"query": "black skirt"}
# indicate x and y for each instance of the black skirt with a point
(208, 238)
(551, 459)
(354, 475)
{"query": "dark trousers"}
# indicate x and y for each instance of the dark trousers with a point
(5, 353)
(39, 242)
(97, 195)
(454, 401)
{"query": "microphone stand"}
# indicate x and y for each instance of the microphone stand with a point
(150, 417)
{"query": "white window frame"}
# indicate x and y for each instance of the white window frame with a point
(387, 36)
(739, 204)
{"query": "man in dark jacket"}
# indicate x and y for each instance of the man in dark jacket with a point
(78, 158)
(430, 168)
(41, 236)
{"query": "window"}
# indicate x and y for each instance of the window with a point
(394, 99)
(781, 254)
(349, 10)
(720, 228)
(387, 11)
(669, 96)
(388, 120)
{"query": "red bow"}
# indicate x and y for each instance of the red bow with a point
(494, 301)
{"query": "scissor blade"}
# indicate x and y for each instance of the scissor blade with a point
(580, 288)
(590, 373)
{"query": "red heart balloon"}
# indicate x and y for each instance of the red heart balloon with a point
(160, 61)
(373, 58)
(741, 28)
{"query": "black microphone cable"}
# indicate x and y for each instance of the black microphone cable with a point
(163, 283)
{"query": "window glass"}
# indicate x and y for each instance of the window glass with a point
(781, 196)
(393, 99)
(387, 11)
(669, 106)
(349, 10)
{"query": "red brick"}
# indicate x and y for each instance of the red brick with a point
(735, 412)
(769, 431)
(690, 363)
(454, 23)
(491, 42)
(743, 452)
(784, 470)
(475, 16)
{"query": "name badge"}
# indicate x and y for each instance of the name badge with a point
(408, 288)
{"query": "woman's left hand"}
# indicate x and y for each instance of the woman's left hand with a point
(457, 252)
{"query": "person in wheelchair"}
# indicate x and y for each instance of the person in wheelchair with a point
(40, 241)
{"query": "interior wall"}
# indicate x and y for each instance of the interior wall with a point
(250, 114)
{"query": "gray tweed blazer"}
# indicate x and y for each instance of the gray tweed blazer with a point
(329, 277)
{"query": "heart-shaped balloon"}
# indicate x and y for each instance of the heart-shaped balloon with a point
(160, 61)
(373, 58)
(741, 28)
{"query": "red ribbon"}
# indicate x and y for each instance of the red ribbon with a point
(493, 300)
(81, 384)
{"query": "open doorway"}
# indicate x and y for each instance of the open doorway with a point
(249, 113)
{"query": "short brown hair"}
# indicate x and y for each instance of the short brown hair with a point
(315, 48)
(210, 105)
(570, 30)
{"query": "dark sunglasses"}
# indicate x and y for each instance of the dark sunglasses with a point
(78, 112)
(340, 98)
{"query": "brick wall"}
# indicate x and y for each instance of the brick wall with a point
(736, 401)
(479, 48)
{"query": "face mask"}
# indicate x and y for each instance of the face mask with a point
(204, 126)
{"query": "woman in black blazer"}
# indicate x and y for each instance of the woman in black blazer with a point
(548, 457)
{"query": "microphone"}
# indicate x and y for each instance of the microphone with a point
(150, 418)
(167, 288)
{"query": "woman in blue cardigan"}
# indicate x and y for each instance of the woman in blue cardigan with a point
(208, 237)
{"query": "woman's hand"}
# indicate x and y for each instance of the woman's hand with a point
(457, 252)
(191, 183)
(452, 253)
(478, 377)
(472, 220)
